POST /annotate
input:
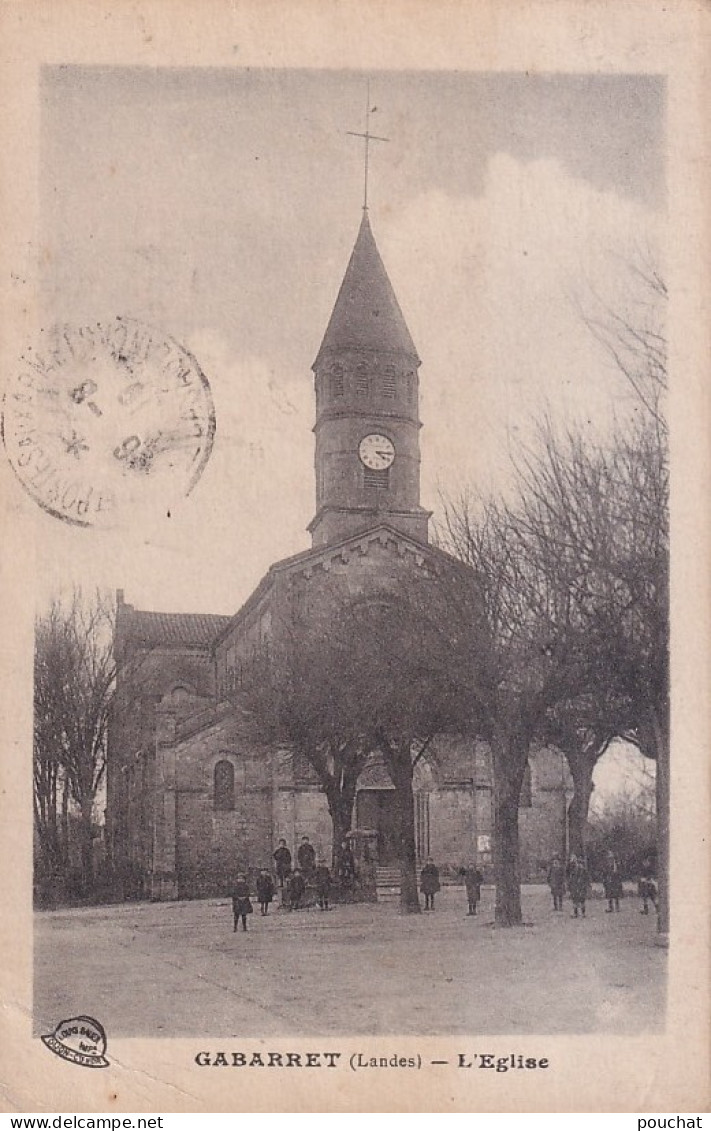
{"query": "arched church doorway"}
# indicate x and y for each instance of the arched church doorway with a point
(377, 810)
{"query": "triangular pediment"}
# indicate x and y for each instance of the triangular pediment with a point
(362, 543)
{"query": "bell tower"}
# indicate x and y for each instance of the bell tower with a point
(367, 423)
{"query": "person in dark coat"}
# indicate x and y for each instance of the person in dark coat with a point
(612, 882)
(265, 890)
(473, 880)
(556, 882)
(346, 864)
(322, 879)
(295, 889)
(429, 883)
(646, 887)
(577, 876)
(241, 903)
(282, 861)
(306, 856)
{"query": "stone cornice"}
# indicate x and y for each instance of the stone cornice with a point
(371, 414)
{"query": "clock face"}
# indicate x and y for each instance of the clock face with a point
(376, 452)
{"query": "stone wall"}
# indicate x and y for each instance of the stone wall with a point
(452, 828)
(542, 825)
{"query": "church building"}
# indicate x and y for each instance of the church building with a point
(193, 790)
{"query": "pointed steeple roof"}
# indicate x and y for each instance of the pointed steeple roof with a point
(367, 314)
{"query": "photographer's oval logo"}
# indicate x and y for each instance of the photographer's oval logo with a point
(82, 1040)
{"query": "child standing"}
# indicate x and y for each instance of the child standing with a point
(265, 890)
(296, 887)
(322, 879)
(577, 884)
(473, 880)
(612, 882)
(647, 887)
(556, 882)
(241, 903)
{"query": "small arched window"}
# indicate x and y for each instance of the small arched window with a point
(389, 381)
(224, 785)
(362, 379)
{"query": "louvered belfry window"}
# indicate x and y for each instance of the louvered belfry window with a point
(379, 480)
(362, 380)
(389, 387)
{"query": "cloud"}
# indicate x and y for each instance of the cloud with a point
(492, 288)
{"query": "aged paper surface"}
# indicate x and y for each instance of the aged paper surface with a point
(335, 48)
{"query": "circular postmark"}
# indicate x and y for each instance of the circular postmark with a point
(102, 419)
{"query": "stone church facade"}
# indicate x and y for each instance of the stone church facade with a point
(193, 790)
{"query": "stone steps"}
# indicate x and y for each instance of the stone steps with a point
(387, 884)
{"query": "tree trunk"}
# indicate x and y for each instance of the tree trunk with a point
(661, 737)
(87, 846)
(581, 770)
(340, 807)
(654, 737)
(409, 897)
(509, 764)
(64, 836)
(55, 850)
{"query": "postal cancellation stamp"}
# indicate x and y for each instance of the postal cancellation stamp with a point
(102, 419)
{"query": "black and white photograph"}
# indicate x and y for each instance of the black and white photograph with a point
(343, 426)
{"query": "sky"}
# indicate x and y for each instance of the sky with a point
(220, 206)
(624, 775)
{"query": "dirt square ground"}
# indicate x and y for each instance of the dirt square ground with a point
(177, 969)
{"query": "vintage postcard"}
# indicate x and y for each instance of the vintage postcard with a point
(354, 485)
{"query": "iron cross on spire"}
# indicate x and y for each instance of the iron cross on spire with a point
(368, 137)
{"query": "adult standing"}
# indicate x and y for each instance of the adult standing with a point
(429, 883)
(282, 862)
(306, 856)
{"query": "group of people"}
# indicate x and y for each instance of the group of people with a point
(430, 885)
(315, 873)
(575, 877)
(310, 871)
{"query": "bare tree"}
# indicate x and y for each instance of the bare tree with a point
(293, 689)
(401, 653)
(49, 782)
(604, 507)
(531, 654)
(634, 337)
(583, 728)
(74, 680)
